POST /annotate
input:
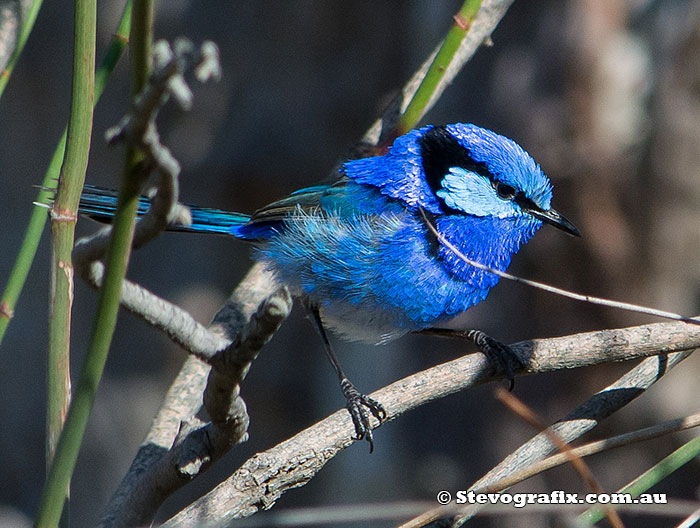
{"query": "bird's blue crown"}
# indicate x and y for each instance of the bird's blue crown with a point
(455, 168)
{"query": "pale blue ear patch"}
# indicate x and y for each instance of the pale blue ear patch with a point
(474, 194)
(506, 160)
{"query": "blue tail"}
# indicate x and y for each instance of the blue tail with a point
(100, 204)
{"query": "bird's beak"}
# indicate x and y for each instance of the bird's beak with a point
(553, 218)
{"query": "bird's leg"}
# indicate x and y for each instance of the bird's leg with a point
(358, 405)
(504, 360)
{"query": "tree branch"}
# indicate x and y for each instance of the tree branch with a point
(139, 130)
(260, 481)
(159, 469)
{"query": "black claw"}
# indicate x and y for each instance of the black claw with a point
(502, 357)
(360, 406)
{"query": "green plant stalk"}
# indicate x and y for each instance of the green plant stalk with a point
(141, 45)
(416, 108)
(27, 26)
(140, 55)
(64, 215)
(105, 317)
(71, 436)
(37, 221)
(649, 478)
(63, 219)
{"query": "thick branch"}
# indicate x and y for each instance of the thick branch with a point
(159, 469)
(265, 477)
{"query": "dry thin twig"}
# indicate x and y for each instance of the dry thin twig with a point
(592, 448)
(552, 289)
(527, 414)
(138, 128)
(388, 511)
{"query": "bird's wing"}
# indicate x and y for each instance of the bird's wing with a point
(307, 200)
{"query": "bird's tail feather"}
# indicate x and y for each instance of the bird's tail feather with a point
(100, 204)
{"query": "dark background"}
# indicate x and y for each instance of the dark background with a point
(603, 94)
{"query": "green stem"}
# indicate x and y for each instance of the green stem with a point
(63, 219)
(107, 308)
(417, 107)
(64, 214)
(140, 55)
(649, 478)
(27, 26)
(37, 221)
(141, 44)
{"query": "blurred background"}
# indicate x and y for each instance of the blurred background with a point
(605, 96)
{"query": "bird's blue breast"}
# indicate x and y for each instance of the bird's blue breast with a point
(376, 271)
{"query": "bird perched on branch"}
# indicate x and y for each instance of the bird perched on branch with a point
(361, 255)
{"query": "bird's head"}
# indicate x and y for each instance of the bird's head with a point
(461, 169)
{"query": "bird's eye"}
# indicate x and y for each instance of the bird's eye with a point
(504, 191)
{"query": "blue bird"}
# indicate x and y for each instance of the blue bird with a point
(360, 255)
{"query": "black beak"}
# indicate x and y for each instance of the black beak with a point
(553, 218)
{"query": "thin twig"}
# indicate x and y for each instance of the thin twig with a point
(652, 476)
(354, 514)
(139, 129)
(593, 448)
(527, 414)
(552, 289)
(163, 315)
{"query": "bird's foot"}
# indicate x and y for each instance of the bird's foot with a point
(360, 406)
(501, 356)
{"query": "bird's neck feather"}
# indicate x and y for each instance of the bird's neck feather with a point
(487, 240)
